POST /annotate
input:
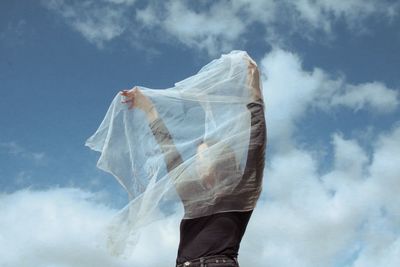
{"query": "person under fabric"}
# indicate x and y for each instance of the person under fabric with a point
(214, 238)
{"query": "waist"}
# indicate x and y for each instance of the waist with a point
(202, 261)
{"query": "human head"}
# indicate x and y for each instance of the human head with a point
(213, 168)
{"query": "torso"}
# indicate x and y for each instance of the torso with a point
(221, 233)
(216, 234)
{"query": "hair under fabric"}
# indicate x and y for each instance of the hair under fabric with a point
(158, 162)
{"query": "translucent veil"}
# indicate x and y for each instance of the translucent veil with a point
(193, 155)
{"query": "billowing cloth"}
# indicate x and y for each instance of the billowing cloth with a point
(193, 154)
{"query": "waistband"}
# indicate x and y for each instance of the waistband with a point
(208, 259)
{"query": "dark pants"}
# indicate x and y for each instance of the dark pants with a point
(211, 261)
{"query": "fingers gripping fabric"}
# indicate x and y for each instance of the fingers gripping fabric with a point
(194, 154)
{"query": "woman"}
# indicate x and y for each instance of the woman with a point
(213, 240)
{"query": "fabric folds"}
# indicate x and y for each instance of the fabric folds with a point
(193, 155)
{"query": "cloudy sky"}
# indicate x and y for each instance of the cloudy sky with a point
(330, 72)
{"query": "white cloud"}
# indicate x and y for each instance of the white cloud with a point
(322, 14)
(381, 239)
(290, 92)
(217, 25)
(298, 222)
(223, 24)
(349, 158)
(303, 224)
(98, 23)
(53, 228)
(63, 228)
(216, 29)
(374, 94)
(14, 149)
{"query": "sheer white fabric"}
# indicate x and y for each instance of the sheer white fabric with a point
(161, 163)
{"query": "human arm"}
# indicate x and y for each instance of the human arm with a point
(253, 80)
(253, 172)
(258, 135)
(163, 137)
(135, 98)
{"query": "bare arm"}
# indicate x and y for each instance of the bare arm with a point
(135, 98)
(253, 81)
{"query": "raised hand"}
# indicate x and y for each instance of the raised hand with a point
(136, 99)
(253, 80)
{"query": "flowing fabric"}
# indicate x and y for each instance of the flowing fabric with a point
(162, 164)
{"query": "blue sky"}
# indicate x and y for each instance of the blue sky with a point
(331, 82)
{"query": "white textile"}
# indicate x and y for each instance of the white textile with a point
(160, 164)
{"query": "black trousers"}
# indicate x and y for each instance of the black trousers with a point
(211, 261)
